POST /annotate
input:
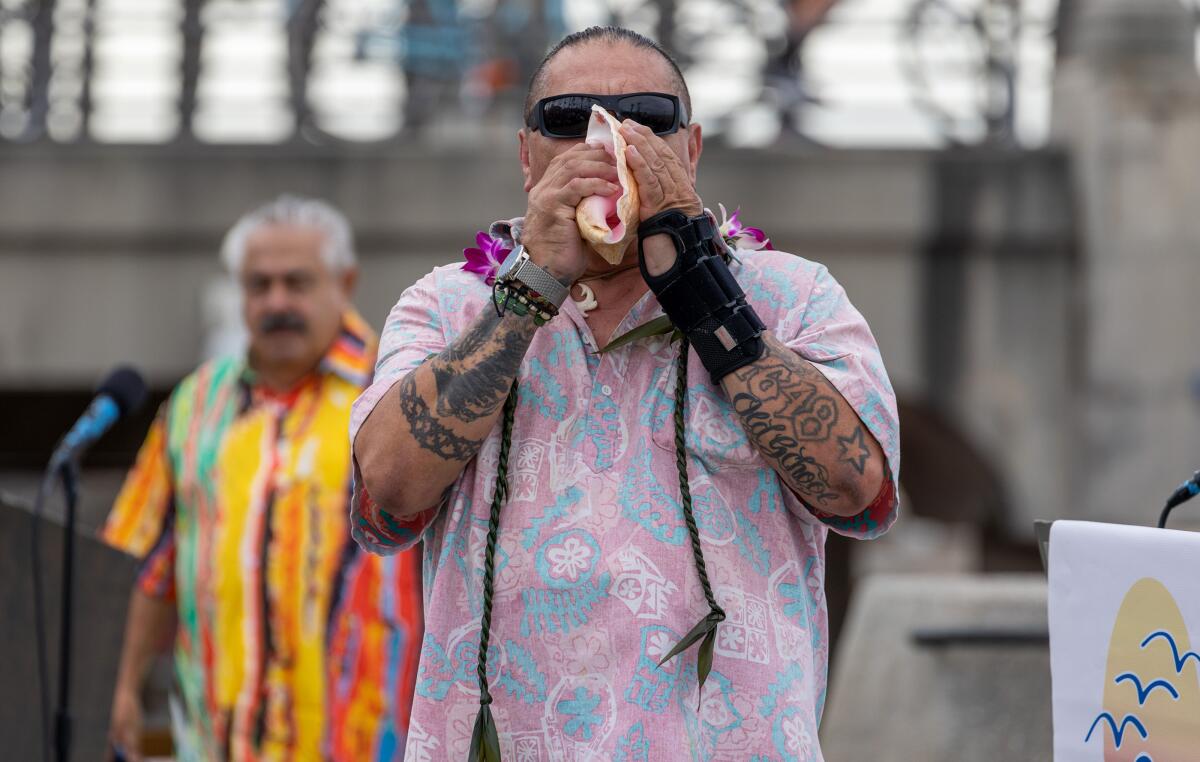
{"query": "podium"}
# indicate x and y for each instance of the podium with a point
(1124, 612)
(103, 580)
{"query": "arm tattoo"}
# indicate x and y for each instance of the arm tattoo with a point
(428, 430)
(783, 407)
(471, 373)
(854, 450)
(789, 390)
(472, 378)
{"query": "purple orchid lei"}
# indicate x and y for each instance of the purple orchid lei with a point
(739, 235)
(486, 258)
(489, 253)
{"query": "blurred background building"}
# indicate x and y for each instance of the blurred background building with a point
(1005, 188)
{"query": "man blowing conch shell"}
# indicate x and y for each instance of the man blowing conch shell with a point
(624, 551)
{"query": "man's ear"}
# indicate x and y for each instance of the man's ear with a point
(695, 147)
(348, 280)
(522, 139)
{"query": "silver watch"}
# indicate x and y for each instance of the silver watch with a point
(517, 266)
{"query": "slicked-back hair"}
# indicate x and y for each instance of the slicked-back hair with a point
(611, 35)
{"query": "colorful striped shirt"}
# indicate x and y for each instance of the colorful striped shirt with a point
(292, 644)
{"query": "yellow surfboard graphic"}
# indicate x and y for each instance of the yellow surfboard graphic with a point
(1151, 690)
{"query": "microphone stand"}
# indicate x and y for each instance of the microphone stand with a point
(1166, 511)
(122, 391)
(67, 471)
(1184, 493)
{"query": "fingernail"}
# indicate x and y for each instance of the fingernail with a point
(633, 150)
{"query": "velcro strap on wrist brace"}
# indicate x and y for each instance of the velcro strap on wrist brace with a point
(700, 294)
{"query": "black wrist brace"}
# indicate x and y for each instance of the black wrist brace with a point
(700, 294)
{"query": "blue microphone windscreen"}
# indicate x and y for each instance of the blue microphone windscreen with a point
(126, 387)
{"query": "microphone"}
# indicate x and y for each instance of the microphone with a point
(120, 393)
(1186, 491)
(1182, 494)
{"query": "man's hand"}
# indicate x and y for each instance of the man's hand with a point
(550, 233)
(149, 629)
(663, 183)
(125, 725)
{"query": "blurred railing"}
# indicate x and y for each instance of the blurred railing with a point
(311, 71)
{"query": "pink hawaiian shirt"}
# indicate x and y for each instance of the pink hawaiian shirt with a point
(595, 580)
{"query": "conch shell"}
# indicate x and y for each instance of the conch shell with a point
(609, 223)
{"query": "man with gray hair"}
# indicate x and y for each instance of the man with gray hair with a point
(289, 642)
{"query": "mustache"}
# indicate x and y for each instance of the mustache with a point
(283, 321)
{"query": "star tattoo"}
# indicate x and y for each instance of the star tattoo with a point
(854, 450)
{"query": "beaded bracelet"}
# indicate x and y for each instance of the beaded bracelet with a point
(531, 296)
(516, 300)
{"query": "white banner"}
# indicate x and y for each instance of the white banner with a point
(1124, 643)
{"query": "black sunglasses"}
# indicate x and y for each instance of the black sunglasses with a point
(567, 115)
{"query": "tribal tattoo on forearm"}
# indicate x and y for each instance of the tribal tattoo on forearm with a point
(471, 373)
(787, 405)
(472, 378)
(428, 431)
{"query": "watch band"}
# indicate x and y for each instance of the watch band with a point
(537, 279)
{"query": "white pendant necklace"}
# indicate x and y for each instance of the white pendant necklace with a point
(587, 302)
